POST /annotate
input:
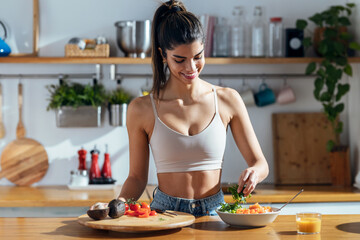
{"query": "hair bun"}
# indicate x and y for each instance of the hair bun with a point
(175, 9)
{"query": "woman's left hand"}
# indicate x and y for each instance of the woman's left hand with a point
(250, 178)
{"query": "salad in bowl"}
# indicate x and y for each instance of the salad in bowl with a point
(235, 214)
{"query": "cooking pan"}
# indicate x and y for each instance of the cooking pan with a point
(24, 161)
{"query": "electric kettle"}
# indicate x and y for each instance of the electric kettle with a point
(4, 48)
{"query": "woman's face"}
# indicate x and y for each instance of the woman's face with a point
(186, 61)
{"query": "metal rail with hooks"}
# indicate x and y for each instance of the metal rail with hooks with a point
(121, 76)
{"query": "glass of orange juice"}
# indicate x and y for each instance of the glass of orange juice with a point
(308, 223)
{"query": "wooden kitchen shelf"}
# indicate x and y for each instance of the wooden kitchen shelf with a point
(123, 60)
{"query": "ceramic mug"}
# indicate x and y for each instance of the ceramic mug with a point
(286, 95)
(247, 95)
(265, 96)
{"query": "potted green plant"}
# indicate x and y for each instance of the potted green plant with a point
(332, 42)
(118, 100)
(77, 105)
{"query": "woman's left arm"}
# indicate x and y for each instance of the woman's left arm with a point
(245, 140)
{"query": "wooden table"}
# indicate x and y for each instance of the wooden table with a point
(333, 227)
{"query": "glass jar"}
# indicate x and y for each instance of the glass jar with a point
(257, 34)
(221, 38)
(237, 33)
(276, 37)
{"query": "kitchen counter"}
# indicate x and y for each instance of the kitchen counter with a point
(56, 196)
(61, 196)
(268, 193)
(284, 227)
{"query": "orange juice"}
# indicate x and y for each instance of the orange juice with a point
(308, 223)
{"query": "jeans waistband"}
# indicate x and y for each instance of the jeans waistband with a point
(209, 198)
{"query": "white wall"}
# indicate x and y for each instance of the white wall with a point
(61, 20)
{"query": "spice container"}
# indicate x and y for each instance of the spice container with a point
(276, 37)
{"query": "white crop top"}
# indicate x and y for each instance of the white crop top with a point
(175, 152)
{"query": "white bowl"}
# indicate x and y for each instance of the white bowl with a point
(248, 220)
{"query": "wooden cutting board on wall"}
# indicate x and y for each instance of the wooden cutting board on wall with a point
(299, 141)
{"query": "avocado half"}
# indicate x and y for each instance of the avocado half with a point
(98, 214)
(116, 208)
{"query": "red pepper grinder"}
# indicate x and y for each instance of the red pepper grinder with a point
(82, 159)
(94, 170)
(106, 169)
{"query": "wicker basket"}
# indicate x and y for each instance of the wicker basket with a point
(100, 50)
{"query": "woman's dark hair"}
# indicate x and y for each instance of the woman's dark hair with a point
(172, 25)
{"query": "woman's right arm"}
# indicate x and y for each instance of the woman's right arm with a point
(136, 181)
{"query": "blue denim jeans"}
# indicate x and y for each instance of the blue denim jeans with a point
(197, 207)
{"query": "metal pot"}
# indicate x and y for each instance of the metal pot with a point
(134, 37)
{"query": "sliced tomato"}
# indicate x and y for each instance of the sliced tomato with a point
(142, 211)
(132, 213)
(153, 213)
(145, 215)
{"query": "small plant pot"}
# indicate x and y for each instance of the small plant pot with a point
(118, 114)
(83, 116)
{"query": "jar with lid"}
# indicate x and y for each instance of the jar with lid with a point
(276, 37)
(221, 38)
(237, 33)
(257, 34)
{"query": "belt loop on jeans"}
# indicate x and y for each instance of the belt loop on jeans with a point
(154, 191)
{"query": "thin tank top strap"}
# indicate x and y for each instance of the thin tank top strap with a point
(215, 99)
(153, 105)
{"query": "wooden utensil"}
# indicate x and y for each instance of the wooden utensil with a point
(24, 161)
(2, 129)
(133, 224)
(20, 129)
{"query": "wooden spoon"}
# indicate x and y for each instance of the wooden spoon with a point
(20, 129)
(2, 129)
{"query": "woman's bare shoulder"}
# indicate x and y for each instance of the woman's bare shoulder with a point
(140, 106)
(228, 95)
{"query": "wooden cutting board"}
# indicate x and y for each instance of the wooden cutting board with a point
(299, 141)
(24, 161)
(134, 224)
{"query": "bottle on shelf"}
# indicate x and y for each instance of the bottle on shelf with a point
(276, 37)
(94, 169)
(82, 159)
(257, 34)
(237, 33)
(106, 169)
(221, 38)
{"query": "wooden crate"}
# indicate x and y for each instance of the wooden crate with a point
(100, 50)
(299, 141)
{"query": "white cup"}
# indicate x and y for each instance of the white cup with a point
(247, 95)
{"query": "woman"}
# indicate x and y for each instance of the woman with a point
(184, 120)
